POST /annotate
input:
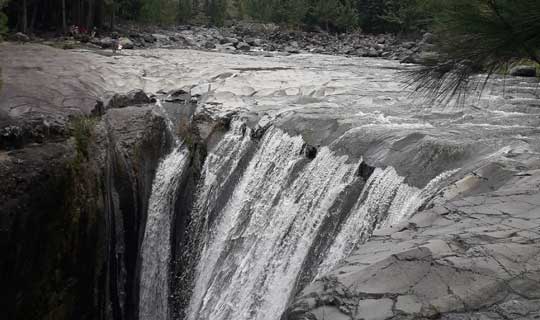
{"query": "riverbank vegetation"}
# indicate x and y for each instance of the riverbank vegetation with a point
(478, 36)
(331, 15)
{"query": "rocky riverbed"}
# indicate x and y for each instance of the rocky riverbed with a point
(75, 190)
(252, 37)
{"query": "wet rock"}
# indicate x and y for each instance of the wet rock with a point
(523, 71)
(149, 38)
(365, 170)
(309, 151)
(132, 98)
(179, 95)
(209, 45)
(99, 109)
(258, 133)
(242, 46)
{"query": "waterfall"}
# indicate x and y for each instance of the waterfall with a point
(385, 200)
(156, 244)
(259, 210)
(257, 245)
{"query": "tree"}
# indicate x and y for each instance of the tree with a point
(216, 10)
(474, 36)
(3, 19)
(339, 14)
(159, 11)
(185, 10)
(406, 15)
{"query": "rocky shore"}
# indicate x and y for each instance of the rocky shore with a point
(255, 38)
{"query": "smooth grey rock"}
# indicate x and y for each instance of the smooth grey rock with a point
(232, 40)
(523, 71)
(242, 46)
(21, 37)
(209, 45)
(374, 309)
(126, 43)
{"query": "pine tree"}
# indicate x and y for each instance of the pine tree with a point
(185, 10)
(3, 19)
(474, 36)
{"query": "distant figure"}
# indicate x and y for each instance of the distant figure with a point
(115, 42)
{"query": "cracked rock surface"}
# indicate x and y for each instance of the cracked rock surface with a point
(473, 256)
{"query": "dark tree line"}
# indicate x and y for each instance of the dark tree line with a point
(336, 15)
(30, 15)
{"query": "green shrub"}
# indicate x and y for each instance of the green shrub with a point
(163, 12)
(83, 131)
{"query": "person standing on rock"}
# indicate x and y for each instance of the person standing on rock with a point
(115, 43)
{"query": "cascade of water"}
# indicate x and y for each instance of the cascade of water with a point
(258, 187)
(156, 244)
(220, 165)
(378, 195)
(261, 220)
(409, 200)
(385, 200)
(265, 231)
(155, 248)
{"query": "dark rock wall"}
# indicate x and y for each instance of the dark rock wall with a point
(72, 219)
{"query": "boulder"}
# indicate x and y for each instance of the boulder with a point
(126, 43)
(428, 38)
(523, 71)
(242, 46)
(21, 37)
(149, 38)
(309, 151)
(209, 45)
(293, 50)
(231, 40)
(104, 43)
(132, 98)
(254, 42)
(372, 53)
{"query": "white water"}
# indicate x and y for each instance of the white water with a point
(156, 245)
(385, 200)
(262, 211)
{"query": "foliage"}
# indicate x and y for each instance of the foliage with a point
(159, 11)
(407, 15)
(185, 10)
(216, 11)
(339, 14)
(83, 130)
(478, 36)
(3, 19)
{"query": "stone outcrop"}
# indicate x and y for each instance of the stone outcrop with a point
(523, 71)
(476, 256)
(74, 193)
